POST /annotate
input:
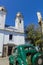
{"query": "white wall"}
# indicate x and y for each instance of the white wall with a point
(1, 42)
(17, 38)
(2, 21)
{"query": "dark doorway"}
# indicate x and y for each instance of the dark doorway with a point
(9, 50)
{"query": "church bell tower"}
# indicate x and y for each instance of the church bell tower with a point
(19, 23)
(2, 17)
(2, 26)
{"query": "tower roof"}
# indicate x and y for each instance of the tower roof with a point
(19, 14)
(2, 9)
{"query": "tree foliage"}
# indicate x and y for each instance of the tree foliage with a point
(33, 33)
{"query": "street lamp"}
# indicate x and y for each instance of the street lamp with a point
(41, 25)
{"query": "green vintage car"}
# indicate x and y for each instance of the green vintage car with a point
(21, 52)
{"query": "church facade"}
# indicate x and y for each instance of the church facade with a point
(12, 35)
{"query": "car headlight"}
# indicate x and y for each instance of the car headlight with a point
(40, 61)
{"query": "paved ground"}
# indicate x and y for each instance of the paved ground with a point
(4, 61)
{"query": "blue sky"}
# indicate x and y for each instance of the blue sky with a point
(29, 9)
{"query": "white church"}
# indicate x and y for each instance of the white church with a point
(12, 35)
